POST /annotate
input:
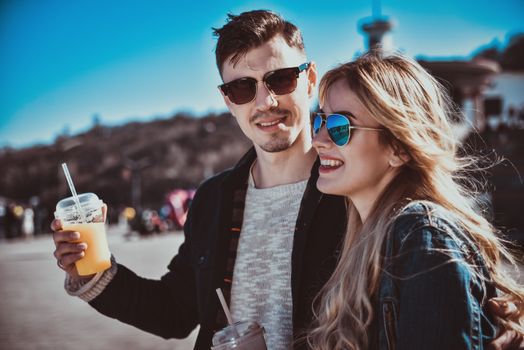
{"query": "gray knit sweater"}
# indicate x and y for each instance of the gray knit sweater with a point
(261, 287)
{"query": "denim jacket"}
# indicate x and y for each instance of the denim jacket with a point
(429, 297)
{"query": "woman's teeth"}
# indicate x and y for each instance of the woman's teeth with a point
(331, 162)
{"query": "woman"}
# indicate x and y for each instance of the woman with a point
(419, 262)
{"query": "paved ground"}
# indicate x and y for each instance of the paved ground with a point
(36, 313)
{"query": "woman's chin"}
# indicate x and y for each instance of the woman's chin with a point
(328, 187)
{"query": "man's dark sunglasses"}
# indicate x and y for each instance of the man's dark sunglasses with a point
(338, 127)
(279, 82)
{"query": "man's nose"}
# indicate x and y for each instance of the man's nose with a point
(265, 99)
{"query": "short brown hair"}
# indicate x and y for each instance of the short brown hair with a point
(249, 30)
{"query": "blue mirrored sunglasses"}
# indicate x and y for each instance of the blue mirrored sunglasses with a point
(338, 127)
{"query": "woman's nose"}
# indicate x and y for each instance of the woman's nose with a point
(321, 139)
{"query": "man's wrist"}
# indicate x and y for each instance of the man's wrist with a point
(88, 288)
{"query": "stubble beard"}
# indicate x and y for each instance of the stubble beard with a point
(277, 143)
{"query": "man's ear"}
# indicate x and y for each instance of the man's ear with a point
(312, 78)
(398, 156)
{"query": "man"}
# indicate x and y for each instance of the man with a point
(290, 231)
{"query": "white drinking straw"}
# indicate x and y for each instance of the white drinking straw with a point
(224, 306)
(73, 192)
(226, 311)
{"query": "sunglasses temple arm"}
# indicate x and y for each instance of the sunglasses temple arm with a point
(364, 128)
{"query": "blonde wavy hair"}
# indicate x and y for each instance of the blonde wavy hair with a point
(416, 112)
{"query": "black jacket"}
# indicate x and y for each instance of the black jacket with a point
(185, 296)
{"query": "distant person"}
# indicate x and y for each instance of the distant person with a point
(123, 223)
(41, 219)
(3, 210)
(28, 223)
(418, 263)
(10, 221)
(261, 231)
(512, 116)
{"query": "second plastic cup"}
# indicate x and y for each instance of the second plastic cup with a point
(93, 232)
(243, 335)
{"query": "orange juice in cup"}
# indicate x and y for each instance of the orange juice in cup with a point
(92, 231)
(97, 256)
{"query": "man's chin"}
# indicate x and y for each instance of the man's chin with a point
(275, 146)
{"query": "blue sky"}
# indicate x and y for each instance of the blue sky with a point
(62, 62)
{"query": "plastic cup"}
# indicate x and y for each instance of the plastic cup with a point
(97, 257)
(243, 335)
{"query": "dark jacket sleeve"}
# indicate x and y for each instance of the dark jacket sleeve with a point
(165, 307)
(440, 301)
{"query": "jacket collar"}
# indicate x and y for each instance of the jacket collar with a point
(239, 174)
(306, 214)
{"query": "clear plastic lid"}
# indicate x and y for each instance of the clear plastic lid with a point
(91, 205)
(244, 329)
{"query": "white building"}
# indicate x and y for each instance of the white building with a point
(504, 100)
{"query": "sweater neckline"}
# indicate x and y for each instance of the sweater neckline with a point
(291, 187)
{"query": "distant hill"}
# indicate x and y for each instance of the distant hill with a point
(173, 153)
